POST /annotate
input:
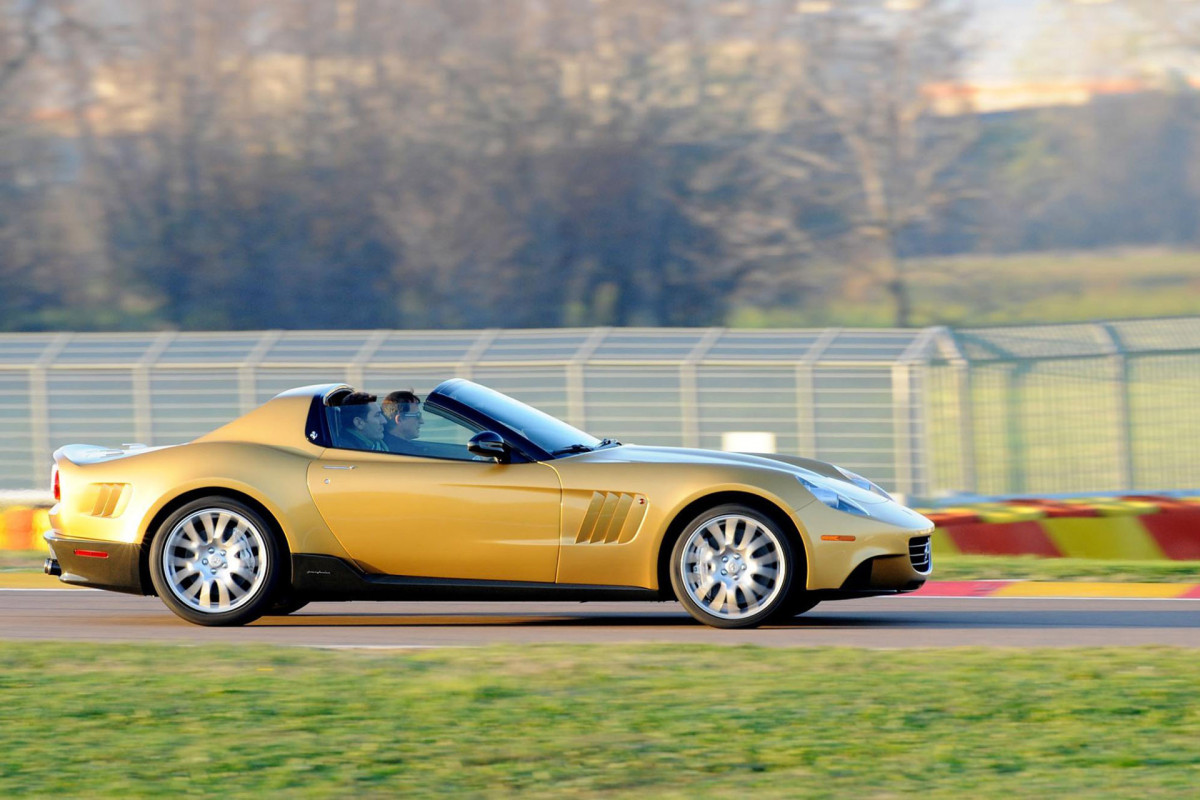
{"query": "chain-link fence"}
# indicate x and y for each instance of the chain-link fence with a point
(1101, 407)
(1063, 408)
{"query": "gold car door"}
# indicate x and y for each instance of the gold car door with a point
(440, 517)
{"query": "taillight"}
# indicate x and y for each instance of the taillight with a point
(55, 486)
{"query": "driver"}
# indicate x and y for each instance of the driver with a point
(402, 412)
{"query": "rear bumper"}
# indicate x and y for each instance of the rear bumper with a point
(115, 566)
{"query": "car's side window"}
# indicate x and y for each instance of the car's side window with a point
(429, 433)
(358, 426)
(442, 437)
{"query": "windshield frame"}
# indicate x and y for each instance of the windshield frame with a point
(536, 433)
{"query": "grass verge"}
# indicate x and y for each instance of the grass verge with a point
(21, 560)
(984, 290)
(597, 722)
(1033, 568)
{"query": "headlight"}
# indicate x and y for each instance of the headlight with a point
(831, 497)
(863, 483)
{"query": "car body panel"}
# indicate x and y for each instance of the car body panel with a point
(630, 558)
(156, 479)
(405, 515)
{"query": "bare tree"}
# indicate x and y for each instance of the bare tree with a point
(497, 162)
(867, 138)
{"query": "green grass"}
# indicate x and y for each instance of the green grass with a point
(112, 721)
(1055, 287)
(974, 291)
(21, 560)
(1033, 568)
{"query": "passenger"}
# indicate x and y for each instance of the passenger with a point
(402, 411)
(362, 423)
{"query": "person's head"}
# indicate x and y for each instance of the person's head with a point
(402, 409)
(361, 415)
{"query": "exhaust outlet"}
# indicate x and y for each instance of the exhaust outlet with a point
(51, 567)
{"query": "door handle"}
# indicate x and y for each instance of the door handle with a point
(337, 466)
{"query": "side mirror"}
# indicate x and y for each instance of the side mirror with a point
(489, 445)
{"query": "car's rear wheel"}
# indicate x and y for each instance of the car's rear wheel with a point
(214, 562)
(732, 567)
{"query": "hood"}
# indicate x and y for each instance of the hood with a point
(795, 465)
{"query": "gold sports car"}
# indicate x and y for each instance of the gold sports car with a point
(299, 501)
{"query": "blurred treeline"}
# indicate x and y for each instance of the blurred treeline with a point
(216, 164)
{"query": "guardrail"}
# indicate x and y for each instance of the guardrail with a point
(1100, 407)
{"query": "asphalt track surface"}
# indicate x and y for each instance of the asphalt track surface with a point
(880, 622)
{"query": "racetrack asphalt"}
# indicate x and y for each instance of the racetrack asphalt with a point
(880, 622)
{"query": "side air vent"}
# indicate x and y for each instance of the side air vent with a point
(110, 499)
(920, 553)
(612, 518)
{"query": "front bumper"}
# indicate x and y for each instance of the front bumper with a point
(886, 574)
(115, 566)
(853, 556)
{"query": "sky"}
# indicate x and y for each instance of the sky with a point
(1022, 40)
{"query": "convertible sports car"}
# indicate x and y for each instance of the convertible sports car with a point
(299, 501)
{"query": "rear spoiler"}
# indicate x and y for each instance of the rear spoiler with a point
(95, 453)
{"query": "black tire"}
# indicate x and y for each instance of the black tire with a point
(222, 564)
(732, 567)
(285, 604)
(798, 603)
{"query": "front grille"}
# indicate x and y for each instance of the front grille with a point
(920, 553)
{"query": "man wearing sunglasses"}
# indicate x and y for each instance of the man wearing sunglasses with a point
(402, 409)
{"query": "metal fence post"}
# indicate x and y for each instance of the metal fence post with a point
(143, 405)
(910, 421)
(355, 370)
(1121, 400)
(247, 395)
(39, 413)
(1014, 426)
(466, 367)
(806, 394)
(689, 391)
(576, 413)
(902, 454)
(965, 408)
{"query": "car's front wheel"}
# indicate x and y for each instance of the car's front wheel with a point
(732, 567)
(214, 562)
(285, 604)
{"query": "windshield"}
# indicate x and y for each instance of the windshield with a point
(552, 435)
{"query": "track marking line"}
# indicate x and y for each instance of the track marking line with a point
(56, 589)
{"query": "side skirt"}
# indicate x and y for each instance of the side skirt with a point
(323, 578)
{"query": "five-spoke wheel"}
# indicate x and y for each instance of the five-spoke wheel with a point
(733, 567)
(214, 562)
